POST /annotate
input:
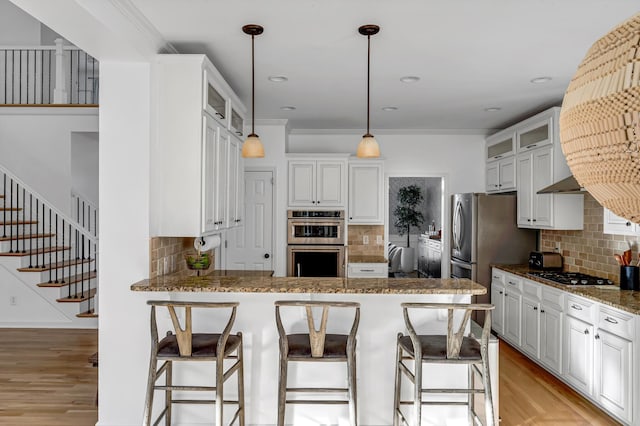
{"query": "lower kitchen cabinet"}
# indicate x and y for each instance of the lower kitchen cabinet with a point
(551, 338)
(367, 270)
(578, 354)
(590, 346)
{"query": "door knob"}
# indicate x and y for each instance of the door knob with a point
(266, 255)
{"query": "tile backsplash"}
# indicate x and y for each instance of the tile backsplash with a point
(590, 251)
(357, 236)
(167, 255)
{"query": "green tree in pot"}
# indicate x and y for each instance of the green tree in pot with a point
(407, 216)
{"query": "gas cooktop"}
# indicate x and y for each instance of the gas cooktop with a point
(571, 278)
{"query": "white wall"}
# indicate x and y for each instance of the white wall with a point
(35, 145)
(84, 165)
(125, 110)
(17, 27)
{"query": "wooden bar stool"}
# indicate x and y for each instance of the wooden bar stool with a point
(182, 344)
(318, 345)
(450, 348)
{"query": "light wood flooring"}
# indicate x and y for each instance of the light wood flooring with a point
(47, 380)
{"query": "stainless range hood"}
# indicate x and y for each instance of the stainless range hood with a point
(568, 185)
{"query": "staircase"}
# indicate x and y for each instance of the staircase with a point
(51, 253)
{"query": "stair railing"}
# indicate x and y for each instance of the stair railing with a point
(44, 75)
(84, 212)
(34, 226)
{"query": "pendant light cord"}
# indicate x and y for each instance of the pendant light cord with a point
(368, 76)
(253, 88)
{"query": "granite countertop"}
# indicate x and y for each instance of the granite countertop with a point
(626, 300)
(240, 282)
(367, 259)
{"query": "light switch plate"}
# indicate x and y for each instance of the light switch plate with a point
(365, 239)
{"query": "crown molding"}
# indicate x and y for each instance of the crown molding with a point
(483, 132)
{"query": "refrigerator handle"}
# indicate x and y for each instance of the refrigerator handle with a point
(462, 265)
(457, 225)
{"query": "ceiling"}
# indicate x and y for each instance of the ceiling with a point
(470, 55)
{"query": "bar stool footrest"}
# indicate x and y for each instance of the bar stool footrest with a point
(317, 390)
(316, 401)
(185, 388)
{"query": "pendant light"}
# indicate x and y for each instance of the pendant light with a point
(252, 147)
(368, 147)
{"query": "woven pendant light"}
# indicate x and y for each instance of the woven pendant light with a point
(600, 121)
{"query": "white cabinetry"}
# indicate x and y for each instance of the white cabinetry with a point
(367, 270)
(501, 165)
(366, 195)
(614, 224)
(317, 182)
(196, 166)
(539, 162)
(513, 309)
(588, 345)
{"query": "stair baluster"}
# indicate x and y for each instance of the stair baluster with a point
(56, 246)
(70, 245)
(63, 226)
(4, 207)
(10, 216)
(30, 236)
(50, 254)
(24, 240)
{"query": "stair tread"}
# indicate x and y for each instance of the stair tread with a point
(87, 314)
(10, 209)
(70, 280)
(19, 222)
(36, 251)
(56, 265)
(81, 298)
(20, 236)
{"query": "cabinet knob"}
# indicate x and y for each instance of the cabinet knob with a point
(535, 308)
(266, 255)
(534, 220)
(597, 337)
(542, 311)
(528, 220)
(318, 202)
(586, 331)
(500, 185)
(313, 202)
(350, 218)
(628, 224)
(501, 292)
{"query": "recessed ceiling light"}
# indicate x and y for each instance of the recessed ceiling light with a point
(492, 109)
(278, 78)
(287, 108)
(540, 80)
(389, 108)
(410, 79)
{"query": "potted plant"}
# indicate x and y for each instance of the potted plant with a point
(407, 216)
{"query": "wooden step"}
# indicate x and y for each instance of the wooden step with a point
(10, 209)
(19, 222)
(56, 265)
(35, 252)
(88, 314)
(20, 236)
(70, 280)
(85, 296)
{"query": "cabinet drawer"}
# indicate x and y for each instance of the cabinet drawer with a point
(616, 322)
(497, 276)
(580, 308)
(531, 289)
(552, 297)
(367, 270)
(513, 282)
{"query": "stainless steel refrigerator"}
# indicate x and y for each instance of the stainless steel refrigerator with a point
(484, 232)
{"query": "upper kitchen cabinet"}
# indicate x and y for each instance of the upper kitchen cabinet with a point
(318, 180)
(614, 224)
(198, 182)
(540, 163)
(366, 195)
(500, 159)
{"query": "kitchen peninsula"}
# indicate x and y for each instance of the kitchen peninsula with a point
(380, 321)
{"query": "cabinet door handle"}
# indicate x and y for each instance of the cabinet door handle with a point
(496, 277)
(512, 283)
(586, 331)
(535, 308)
(367, 270)
(531, 146)
(238, 132)
(597, 336)
(542, 311)
(220, 115)
(534, 220)
(576, 307)
(498, 156)
(611, 320)
(528, 220)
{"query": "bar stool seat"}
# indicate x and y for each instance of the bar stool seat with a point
(183, 344)
(435, 348)
(317, 346)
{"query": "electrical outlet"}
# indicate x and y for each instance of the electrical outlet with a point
(365, 239)
(557, 248)
(379, 240)
(13, 301)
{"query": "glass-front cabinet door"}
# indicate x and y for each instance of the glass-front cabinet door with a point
(535, 136)
(237, 122)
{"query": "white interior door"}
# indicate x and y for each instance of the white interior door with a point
(250, 247)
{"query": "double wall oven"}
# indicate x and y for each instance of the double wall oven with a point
(315, 243)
